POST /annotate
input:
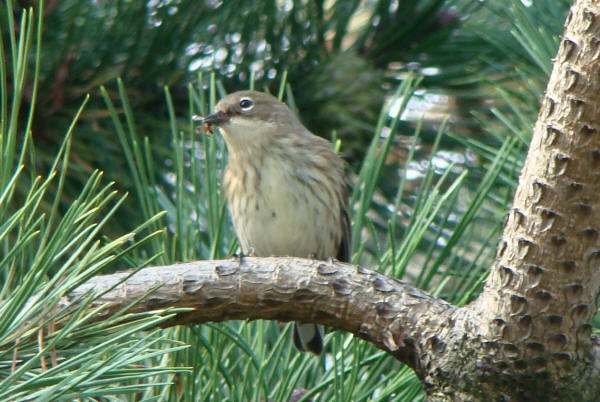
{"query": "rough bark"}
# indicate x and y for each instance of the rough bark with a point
(384, 311)
(527, 337)
(541, 295)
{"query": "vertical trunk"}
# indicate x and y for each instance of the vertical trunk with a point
(542, 293)
(535, 335)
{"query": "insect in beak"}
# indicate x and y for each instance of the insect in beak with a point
(208, 128)
(215, 119)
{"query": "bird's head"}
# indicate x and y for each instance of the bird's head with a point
(252, 118)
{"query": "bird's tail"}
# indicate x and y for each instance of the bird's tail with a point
(308, 337)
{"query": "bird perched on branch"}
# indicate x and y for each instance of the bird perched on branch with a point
(285, 187)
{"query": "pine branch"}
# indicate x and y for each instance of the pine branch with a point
(389, 313)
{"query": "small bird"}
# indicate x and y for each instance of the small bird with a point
(285, 187)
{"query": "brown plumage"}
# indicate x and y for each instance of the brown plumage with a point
(285, 187)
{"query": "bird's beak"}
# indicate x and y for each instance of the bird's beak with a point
(216, 119)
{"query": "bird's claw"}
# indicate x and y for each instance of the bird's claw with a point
(240, 256)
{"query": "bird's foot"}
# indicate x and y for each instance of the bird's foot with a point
(241, 255)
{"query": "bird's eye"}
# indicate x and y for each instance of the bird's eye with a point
(246, 104)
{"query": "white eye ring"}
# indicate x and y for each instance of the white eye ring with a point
(246, 104)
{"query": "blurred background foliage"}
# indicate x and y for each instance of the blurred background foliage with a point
(341, 57)
(432, 101)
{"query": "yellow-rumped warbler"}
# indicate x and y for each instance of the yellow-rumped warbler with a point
(285, 187)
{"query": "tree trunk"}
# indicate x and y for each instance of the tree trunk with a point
(527, 337)
(541, 295)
